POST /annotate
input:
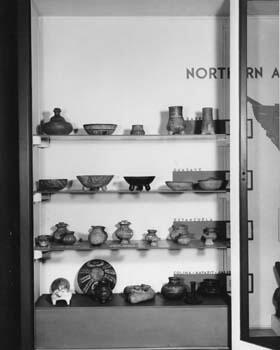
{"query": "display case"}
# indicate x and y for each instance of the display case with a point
(125, 63)
(260, 101)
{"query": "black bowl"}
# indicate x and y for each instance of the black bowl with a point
(52, 185)
(138, 182)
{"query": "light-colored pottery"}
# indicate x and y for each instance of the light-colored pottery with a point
(151, 237)
(179, 186)
(139, 293)
(207, 127)
(97, 235)
(211, 184)
(176, 123)
(60, 288)
(124, 233)
(176, 231)
(184, 239)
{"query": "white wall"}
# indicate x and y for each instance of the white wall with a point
(128, 71)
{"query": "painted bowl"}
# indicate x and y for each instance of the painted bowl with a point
(100, 129)
(52, 184)
(138, 182)
(180, 186)
(211, 184)
(95, 182)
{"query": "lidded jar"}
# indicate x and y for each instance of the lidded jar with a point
(176, 123)
(174, 289)
(124, 233)
(57, 125)
(97, 235)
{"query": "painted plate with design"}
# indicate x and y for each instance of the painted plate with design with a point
(92, 272)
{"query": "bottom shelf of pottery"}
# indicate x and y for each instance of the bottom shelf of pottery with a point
(117, 324)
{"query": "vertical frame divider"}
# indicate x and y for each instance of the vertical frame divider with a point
(25, 174)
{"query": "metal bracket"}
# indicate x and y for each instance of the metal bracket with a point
(250, 134)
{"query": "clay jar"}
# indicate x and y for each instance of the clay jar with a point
(209, 235)
(178, 230)
(151, 237)
(207, 127)
(97, 235)
(57, 125)
(137, 129)
(103, 292)
(69, 238)
(124, 233)
(60, 232)
(176, 123)
(174, 289)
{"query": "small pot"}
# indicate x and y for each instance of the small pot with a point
(174, 289)
(103, 292)
(124, 233)
(69, 238)
(151, 237)
(97, 235)
(60, 232)
(207, 127)
(43, 241)
(209, 236)
(176, 123)
(137, 129)
(176, 231)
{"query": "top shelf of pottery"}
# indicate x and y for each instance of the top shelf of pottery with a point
(43, 141)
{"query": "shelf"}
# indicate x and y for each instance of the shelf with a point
(135, 244)
(81, 300)
(45, 140)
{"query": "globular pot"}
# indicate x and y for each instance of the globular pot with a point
(177, 230)
(176, 123)
(174, 289)
(124, 233)
(60, 232)
(57, 125)
(69, 238)
(102, 292)
(151, 237)
(209, 235)
(97, 235)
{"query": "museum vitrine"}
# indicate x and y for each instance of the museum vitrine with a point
(260, 101)
(124, 159)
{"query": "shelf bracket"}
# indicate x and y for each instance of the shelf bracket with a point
(41, 141)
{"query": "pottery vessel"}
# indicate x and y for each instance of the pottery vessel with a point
(138, 293)
(52, 185)
(184, 239)
(151, 237)
(97, 235)
(211, 184)
(180, 185)
(102, 292)
(209, 286)
(60, 289)
(176, 123)
(95, 182)
(176, 231)
(209, 235)
(57, 125)
(43, 241)
(207, 127)
(192, 297)
(100, 129)
(139, 182)
(60, 232)
(137, 129)
(69, 238)
(174, 289)
(124, 233)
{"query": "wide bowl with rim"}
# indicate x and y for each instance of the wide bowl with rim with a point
(180, 185)
(52, 185)
(211, 184)
(100, 129)
(95, 182)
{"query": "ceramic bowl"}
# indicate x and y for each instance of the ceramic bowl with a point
(52, 184)
(100, 129)
(95, 182)
(138, 182)
(210, 184)
(179, 186)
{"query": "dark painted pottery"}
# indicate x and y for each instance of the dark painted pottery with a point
(52, 185)
(57, 125)
(102, 292)
(139, 182)
(174, 289)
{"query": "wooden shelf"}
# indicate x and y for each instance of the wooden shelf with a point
(45, 140)
(118, 300)
(135, 244)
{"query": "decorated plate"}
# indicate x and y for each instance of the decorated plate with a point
(94, 271)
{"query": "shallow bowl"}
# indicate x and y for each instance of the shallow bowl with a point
(52, 184)
(179, 186)
(95, 182)
(100, 129)
(211, 184)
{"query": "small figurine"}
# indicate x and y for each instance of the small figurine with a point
(60, 288)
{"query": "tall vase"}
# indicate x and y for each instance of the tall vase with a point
(124, 233)
(207, 127)
(176, 123)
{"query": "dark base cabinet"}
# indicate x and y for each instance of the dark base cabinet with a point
(155, 324)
